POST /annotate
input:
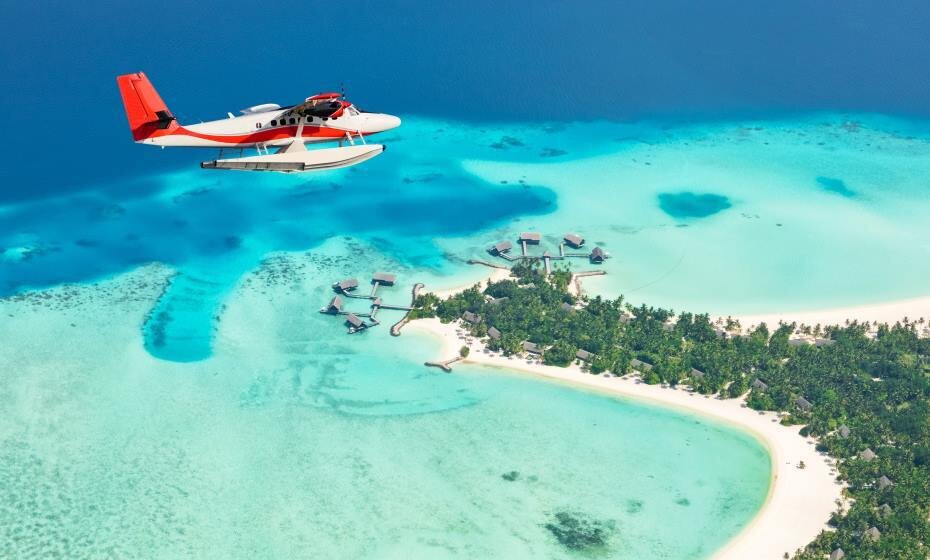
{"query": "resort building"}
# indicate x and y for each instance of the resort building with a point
(567, 307)
(867, 455)
(844, 431)
(803, 404)
(532, 348)
(346, 285)
(472, 318)
(884, 510)
(530, 237)
(354, 323)
(760, 385)
(697, 373)
(573, 240)
(494, 333)
(335, 305)
(500, 248)
(873, 534)
(497, 301)
(597, 255)
(640, 365)
(884, 482)
(384, 278)
(584, 355)
(837, 554)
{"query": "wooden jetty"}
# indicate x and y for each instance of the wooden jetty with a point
(395, 328)
(446, 365)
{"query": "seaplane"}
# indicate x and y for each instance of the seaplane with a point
(279, 135)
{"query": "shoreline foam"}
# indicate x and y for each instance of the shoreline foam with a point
(799, 501)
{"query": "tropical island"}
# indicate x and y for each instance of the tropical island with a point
(858, 395)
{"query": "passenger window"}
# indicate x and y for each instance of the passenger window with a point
(293, 121)
(274, 123)
(258, 125)
(309, 120)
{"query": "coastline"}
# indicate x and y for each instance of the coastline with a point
(890, 312)
(799, 501)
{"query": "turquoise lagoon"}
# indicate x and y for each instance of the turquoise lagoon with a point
(203, 408)
(294, 440)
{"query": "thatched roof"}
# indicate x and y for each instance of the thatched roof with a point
(872, 534)
(884, 482)
(574, 239)
(760, 385)
(353, 320)
(501, 247)
(472, 318)
(696, 373)
(884, 510)
(347, 284)
(384, 278)
(584, 355)
(867, 455)
(837, 554)
(494, 333)
(803, 404)
(844, 431)
(335, 304)
(530, 236)
(531, 347)
(640, 365)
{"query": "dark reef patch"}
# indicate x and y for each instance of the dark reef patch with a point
(687, 204)
(834, 185)
(552, 152)
(578, 532)
(510, 476)
(506, 142)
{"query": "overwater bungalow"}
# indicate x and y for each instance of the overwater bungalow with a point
(472, 318)
(384, 278)
(500, 248)
(532, 348)
(354, 323)
(867, 455)
(573, 240)
(530, 237)
(584, 355)
(494, 333)
(335, 305)
(346, 285)
(597, 255)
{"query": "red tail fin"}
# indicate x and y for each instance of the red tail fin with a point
(147, 113)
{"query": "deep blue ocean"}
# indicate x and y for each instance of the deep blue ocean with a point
(474, 60)
(79, 201)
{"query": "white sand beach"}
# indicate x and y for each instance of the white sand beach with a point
(800, 501)
(889, 312)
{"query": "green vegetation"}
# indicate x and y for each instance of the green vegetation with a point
(864, 392)
(463, 351)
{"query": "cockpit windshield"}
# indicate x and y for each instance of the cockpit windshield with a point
(324, 105)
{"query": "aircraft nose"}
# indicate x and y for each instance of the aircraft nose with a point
(379, 122)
